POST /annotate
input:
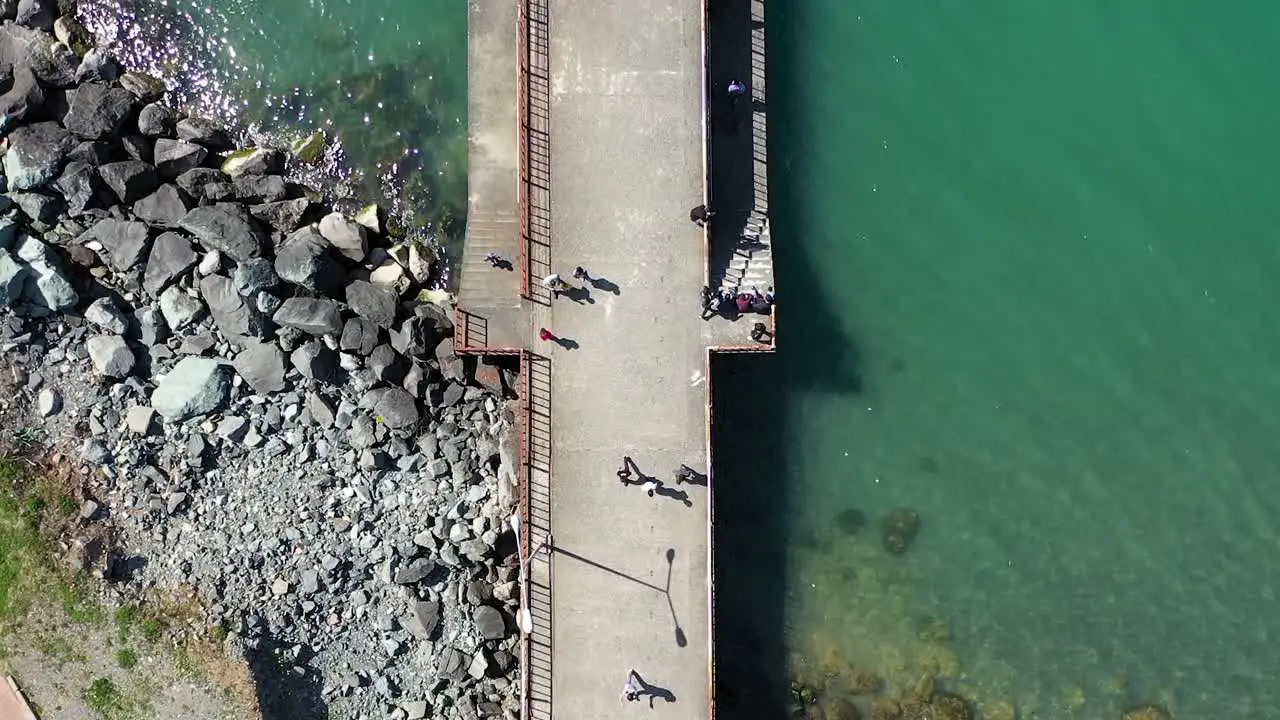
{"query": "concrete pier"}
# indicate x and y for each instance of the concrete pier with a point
(592, 127)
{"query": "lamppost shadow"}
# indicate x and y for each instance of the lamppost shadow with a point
(681, 639)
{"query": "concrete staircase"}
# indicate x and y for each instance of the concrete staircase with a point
(752, 261)
(481, 285)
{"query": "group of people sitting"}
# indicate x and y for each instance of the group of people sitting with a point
(728, 303)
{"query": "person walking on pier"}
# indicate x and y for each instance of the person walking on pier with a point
(737, 89)
(546, 335)
(495, 260)
(632, 688)
(624, 472)
(701, 215)
(650, 486)
(684, 473)
(580, 273)
(760, 333)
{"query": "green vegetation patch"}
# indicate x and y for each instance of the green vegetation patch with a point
(127, 658)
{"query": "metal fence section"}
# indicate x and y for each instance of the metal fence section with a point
(536, 370)
(535, 152)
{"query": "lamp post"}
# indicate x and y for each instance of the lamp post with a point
(524, 617)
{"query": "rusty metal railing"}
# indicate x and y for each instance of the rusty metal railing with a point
(522, 111)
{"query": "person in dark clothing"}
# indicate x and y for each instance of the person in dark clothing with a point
(759, 332)
(701, 215)
(581, 274)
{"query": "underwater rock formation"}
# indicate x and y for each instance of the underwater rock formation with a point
(899, 528)
(1146, 712)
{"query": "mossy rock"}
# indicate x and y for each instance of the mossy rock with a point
(885, 709)
(899, 528)
(933, 629)
(842, 709)
(865, 683)
(310, 149)
(949, 706)
(1147, 712)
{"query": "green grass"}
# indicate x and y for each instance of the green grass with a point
(152, 629)
(23, 552)
(126, 658)
(104, 698)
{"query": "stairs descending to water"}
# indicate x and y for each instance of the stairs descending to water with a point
(482, 285)
(752, 261)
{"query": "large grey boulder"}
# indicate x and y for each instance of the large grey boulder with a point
(254, 161)
(261, 364)
(202, 131)
(42, 210)
(315, 361)
(79, 185)
(254, 276)
(172, 256)
(284, 215)
(395, 406)
(489, 623)
(147, 88)
(195, 181)
(110, 355)
(97, 111)
(423, 619)
(236, 318)
(105, 314)
(36, 154)
(38, 14)
(346, 235)
(259, 188)
(125, 241)
(304, 259)
(195, 386)
(45, 285)
(375, 302)
(359, 335)
(155, 120)
(175, 157)
(97, 66)
(227, 228)
(179, 308)
(318, 316)
(52, 63)
(130, 180)
(24, 96)
(12, 278)
(165, 207)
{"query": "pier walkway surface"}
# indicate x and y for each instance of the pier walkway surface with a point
(594, 156)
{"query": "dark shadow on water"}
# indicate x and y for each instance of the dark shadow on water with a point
(757, 400)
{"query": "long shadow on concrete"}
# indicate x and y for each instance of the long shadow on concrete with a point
(758, 400)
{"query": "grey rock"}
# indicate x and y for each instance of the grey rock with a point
(95, 451)
(195, 181)
(151, 326)
(156, 120)
(304, 260)
(80, 186)
(359, 335)
(88, 509)
(423, 619)
(12, 278)
(175, 502)
(259, 188)
(36, 154)
(261, 364)
(179, 308)
(254, 275)
(233, 428)
(125, 241)
(320, 409)
(202, 131)
(97, 111)
(346, 235)
(451, 366)
(42, 210)
(453, 664)
(210, 263)
(235, 318)
(309, 582)
(284, 215)
(375, 302)
(479, 665)
(254, 161)
(227, 228)
(140, 419)
(97, 66)
(104, 313)
(45, 285)
(395, 406)
(314, 361)
(452, 394)
(37, 14)
(165, 207)
(48, 402)
(130, 180)
(110, 355)
(24, 96)
(415, 710)
(137, 147)
(385, 364)
(172, 256)
(414, 337)
(195, 386)
(95, 152)
(416, 380)
(267, 303)
(414, 572)
(318, 316)
(8, 230)
(52, 63)
(175, 157)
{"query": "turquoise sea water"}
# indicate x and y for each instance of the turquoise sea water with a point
(1044, 234)
(1026, 252)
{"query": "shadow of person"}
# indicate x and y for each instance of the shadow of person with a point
(606, 285)
(580, 295)
(654, 691)
(674, 494)
(567, 343)
(505, 264)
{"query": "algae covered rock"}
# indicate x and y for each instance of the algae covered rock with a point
(885, 709)
(310, 149)
(1146, 712)
(842, 709)
(899, 528)
(949, 706)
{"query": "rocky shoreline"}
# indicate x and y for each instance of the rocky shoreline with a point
(263, 396)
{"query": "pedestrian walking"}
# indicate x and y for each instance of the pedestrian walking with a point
(581, 274)
(737, 89)
(495, 260)
(553, 283)
(632, 688)
(624, 472)
(684, 473)
(759, 332)
(701, 215)
(546, 335)
(650, 487)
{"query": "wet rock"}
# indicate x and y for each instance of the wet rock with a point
(125, 241)
(36, 154)
(315, 361)
(1146, 712)
(156, 120)
(110, 355)
(235, 318)
(24, 96)
(304, 260)
(284, 215)
(130, 180)
(948, 706)
(172, 256)
(490, 624)
(318, 316)
(851, 521)
(259, 188)
(104, 313)
(97, 66)
(227, 228)
(179, 308)
(201, 131)
(345, 235)
(416, 258)
(253, 161)
(375, 302)
(176, 157)
(196, 181)
(146, 88)
(165, 207)
(898, 529)
(195, 386)
(97, 111)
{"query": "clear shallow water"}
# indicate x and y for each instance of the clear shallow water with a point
(386, 80)
(1043, 237)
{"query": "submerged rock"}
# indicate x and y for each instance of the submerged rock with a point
(899, 528)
